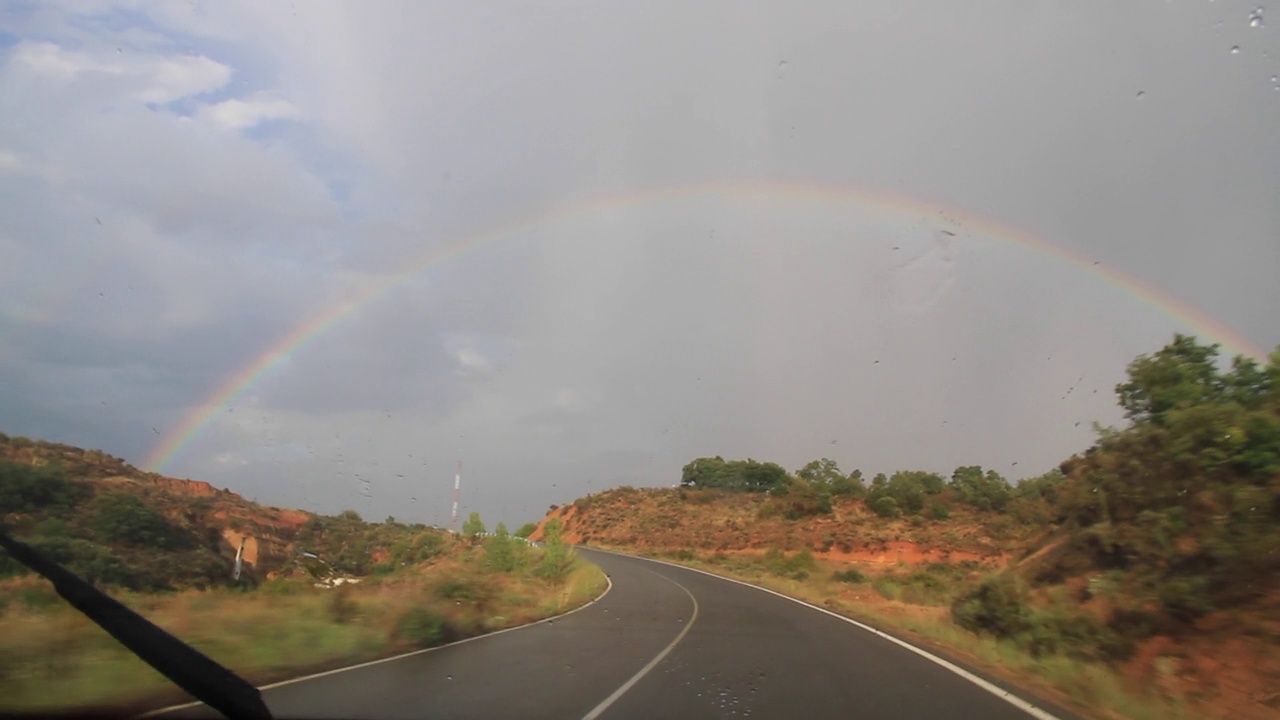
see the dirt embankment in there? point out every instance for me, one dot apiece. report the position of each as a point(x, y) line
point(672, 519)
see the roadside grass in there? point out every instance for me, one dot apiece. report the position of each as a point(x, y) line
point(53, 659)
point(914, 604)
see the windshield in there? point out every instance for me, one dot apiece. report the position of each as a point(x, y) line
point(305, 303)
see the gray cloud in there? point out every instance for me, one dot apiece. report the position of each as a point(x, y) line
point(183, 185)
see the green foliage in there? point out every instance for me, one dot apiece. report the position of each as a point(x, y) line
point(1187, 498)
point(822, 472)
point(908, 489)
point(123, 517)
point(998, 606)
point(421, 627)
point(798, 499)
point(850, 485)
point(984, 491)
point(928, 585)
point(526, 530)
point(852, 576)
point(26, 488)
point(885, 506)
point(736, 475)
point(87, 559)
point(1180, 375)
point(797, 566)
point(939, 511)
point(501, 552)
point(472, 589)
point(557, 557)
point(473, 526)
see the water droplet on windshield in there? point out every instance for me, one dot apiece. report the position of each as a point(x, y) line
point(448, 677)
point(1235, 49)
point(1255, 18)
point(1141, 93)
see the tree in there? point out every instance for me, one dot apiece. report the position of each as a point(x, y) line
point(984, 491)
point(526, 530)
point(500, 551)
point(28, 488)
point(734, 475)
point(1182, 374)
point(851, 485)
point(473, 525)
point(557, 556)
point(820, 472)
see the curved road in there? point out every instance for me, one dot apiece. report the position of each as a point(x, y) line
point(664, 642)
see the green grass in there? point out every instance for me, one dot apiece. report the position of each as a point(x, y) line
point(53, 659)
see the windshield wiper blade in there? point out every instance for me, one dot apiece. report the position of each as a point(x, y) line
point(193, 671)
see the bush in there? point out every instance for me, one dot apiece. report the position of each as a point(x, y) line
point(474, 591)
point(938, 511)
point(796, 567)
point(421, 627)
point(852, 575)
point(341, 608)
point(885, 506)
point(996, 607)
point(28, 488)
point(123, 517)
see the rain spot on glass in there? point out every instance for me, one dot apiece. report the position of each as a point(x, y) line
point(1141, 94)
point(1255, 18)
point(1235, 49)
point(782, 67)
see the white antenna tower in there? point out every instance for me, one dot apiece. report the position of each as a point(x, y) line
point(457, 489)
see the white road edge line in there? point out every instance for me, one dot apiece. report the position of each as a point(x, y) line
point(604, 704)
point(1023, 705)
point(402, 656)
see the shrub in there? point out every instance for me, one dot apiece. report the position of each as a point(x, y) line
point(557, 557)
point(28, 488)
point(421, 627)
point(996, 607)
point(852, 575)
point(341, 608)
point(123, 517)
point(475, 591)
point(885, 506)
point(938, 511)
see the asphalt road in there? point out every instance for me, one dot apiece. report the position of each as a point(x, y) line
point(664, 642)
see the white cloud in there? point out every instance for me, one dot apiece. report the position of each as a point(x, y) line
point(156, 79)
point(242, 113)
point(472, 359)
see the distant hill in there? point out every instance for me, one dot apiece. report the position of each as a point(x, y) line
point(121, 526)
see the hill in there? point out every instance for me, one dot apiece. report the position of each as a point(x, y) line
point(124, 527)
point(1147, 566)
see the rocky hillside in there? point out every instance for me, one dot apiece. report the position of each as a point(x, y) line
point(110, 521)
point(711, 520)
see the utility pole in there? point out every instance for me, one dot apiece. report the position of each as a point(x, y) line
point(457, 489)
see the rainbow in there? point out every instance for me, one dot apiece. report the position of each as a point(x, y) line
point(197, 420)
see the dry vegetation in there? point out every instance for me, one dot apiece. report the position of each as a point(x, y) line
point(51, 658)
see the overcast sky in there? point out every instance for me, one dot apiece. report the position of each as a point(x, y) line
point(182, 184)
